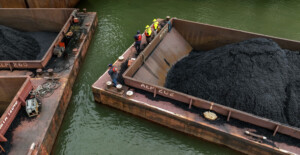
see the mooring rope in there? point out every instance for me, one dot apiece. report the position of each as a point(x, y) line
point(46, 89)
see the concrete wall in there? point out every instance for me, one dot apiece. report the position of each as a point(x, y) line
point(35, 19)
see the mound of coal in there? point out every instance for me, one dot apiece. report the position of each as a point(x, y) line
point(15, 45)
point(254, 76)
point(44, 39)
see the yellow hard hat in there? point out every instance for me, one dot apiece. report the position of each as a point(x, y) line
point(147, 26)
point(154, 20)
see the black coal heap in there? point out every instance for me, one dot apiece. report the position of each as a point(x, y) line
point(254, 76)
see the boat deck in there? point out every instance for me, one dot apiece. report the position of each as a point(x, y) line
point(41, 131)
point(178, 116)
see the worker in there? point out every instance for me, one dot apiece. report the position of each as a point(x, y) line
point(155, 26)
point(169, 23)
point(112, 71)
point(138, 40)
point(148, 33)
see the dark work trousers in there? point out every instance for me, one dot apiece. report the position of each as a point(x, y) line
point(148, 39)
point(137, 46)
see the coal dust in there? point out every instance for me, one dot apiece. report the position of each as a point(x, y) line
point(255, 76)
point(17, 45)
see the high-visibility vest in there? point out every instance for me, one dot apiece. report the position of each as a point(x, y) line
point(138, 37)
point(155, 25)
point(148, 32)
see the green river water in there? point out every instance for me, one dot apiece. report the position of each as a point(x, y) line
point(92, 128)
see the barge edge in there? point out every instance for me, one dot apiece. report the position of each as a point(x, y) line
point(182, 123)
point(56, 121)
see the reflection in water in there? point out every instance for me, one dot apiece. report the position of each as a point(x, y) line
point(90, 128)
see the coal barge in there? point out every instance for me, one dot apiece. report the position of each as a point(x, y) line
point(34, 93)
point(143, 93)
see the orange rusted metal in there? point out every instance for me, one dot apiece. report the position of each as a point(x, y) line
point(43, 129)
point(38, 3)
point(186, 28)
point(20, 87)
point(167, 114)
point(36, 20)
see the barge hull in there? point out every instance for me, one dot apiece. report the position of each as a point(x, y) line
point(40, 132)
point(200, 37)
point(38, 3)
point(164, 112)
point(32, 20)
point(57, 119)
point(181, 123)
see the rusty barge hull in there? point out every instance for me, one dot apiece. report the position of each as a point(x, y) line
point(38, 3)
point(148, 73)
point(37, 135)
point(48, 20)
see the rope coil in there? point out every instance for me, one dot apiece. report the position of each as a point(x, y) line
point(46, 89)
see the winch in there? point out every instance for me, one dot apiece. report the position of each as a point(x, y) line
point(32, 107)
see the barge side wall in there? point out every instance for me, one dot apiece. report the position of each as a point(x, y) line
point(207, 37)
point(52, 131)
point(9, 88)
point(55, 20)
point(180, 123)
point(129, 76)
point(51, 20)
point(38, 3)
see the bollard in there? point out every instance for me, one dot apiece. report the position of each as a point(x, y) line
point(39, 71)
point(129, 93)
point(119, 87)
point(108, 84)
point(50, 71)
point(121, 58)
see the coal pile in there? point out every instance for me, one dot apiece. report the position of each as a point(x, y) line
point(16, 45)
point(254, 76)
point(21, 116)
point(44, 39)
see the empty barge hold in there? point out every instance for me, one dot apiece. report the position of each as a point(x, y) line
point(50, 79)
point(238, 130)
point(13, 92)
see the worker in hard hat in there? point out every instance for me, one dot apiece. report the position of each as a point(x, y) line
point(113, 72)
point(155, 26)
point(148, 33)
point(169, 23)
point(138, 40)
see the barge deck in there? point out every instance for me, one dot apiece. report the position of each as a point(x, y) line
point(147, 101)
point(37, 135)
